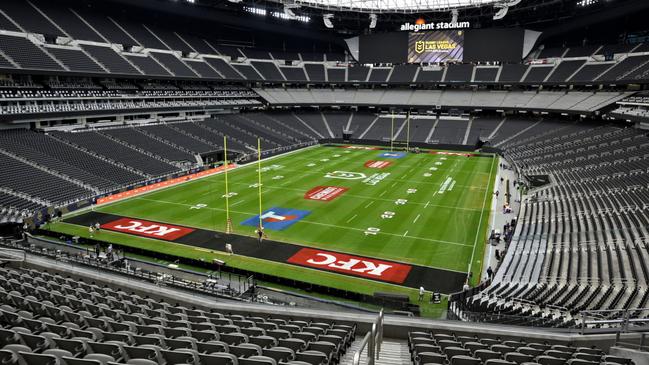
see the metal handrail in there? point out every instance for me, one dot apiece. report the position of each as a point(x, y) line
point(9, 254)
point(372, 341)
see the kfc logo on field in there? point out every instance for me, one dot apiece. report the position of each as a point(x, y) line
point(324, 193)
point(377, 164)
point(351, 265)
point(148, 229)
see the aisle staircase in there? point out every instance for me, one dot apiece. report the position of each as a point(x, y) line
point(393, 352)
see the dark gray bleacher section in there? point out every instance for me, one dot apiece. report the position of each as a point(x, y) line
point(141, 34)
point(274, 137)
point(403, 73)
point(110, 59)
point(449, 131)
point(590, 71)
point(511, 127)
point(179, 139)
point(170, 38)
point(357, 73)
point(75, 60)
point(486, 74)
point(28, 18)
point(336, 74)
point(314, 120)
point(293, 73)
point(95, 323)
point(203, 69)
point(6, 24)
point(615, 49)
point(173, 64)
point(255, 53)
point(551, 52)
point(223, 68)
point(565, 69)
point(482, 127)
point(512, 72)
point(26, 54)
point(22, 144)
point(148, 65)
point(581, 51)
point(5, 63)
point(118, 152)
point(133, 137)
point(268, 70)
point(459, 73)
point(537, 73)
point(316, 72)
point(232, 52)
point(419, 130)
point(107, 28)
point(72, 156)
point(337, 122)
point(382, 128)
point(314, 57)
point(213, 136)
point(248, 72)
point(379, 75)
point(618, 71)
point(430, 75)
point(198, 44)
point(10, 201)
point(286, 123)
point(70, 22)
point(241, 138)
point(24, 178)
point(360, 123)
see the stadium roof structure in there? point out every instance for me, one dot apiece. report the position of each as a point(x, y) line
point(391, 6)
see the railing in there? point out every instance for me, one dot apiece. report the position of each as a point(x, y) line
point(372, 341)
point(618, 321)
point(9, 254)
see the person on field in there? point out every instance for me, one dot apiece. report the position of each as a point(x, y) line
point(421, 293)
point(260, 233)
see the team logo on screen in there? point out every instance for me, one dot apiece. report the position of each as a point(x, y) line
point(148, 229)
point(276, 218)
point(351, 265)
point(420, 46)
point(325, 193)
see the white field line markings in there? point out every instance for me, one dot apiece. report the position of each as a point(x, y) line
point(426, 206)
point(237, 203)
point(416, 218)
point(405, 234)
point(484, 201)
point(383, 193)
point(370, 203)
point(310, 222)
point(393, 185)
point(352, 218)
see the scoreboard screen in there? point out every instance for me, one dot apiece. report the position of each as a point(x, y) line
point(436, 46)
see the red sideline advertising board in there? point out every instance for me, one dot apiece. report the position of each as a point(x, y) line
point(351, 265)
point(139, 227)
point(162, 184)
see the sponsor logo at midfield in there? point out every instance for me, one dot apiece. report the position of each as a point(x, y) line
point(378, 164)
point(345, 175)
point(276, 218)
point(392, 154)
point(324, 193)
point(452, 153)
point(447, 185)
point(376, 178)
point(351, 265)
point(144, 228)
point(359, 148)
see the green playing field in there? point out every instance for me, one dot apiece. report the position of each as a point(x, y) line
point(428, 209)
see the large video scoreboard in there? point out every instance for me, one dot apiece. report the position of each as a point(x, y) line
point(441, 46)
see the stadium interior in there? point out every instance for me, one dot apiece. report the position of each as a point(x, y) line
point(319, 182)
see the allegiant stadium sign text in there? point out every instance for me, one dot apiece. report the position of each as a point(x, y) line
point(435, 26)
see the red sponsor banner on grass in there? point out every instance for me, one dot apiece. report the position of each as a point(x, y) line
point(351, 265)
point(325, 193)
point(452, 153)
point(377, 164)
point(161, 184)
point(360, 147)
point(139, 227)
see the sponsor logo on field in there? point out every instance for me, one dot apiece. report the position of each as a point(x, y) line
point(345, 175)
point(447, 185)
point(392, 154)
point(377, 164)
point(276, 218)
point(351, 265)
point(360, 147)
point(452, 153)
point(324, 193)
point(376, 178)
point(138, 227)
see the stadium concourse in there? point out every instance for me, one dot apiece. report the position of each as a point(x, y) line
point(324, 182)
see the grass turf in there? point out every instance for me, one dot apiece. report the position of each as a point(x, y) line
point(434, 227)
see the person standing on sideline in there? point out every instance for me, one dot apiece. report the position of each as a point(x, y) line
point(260, 233)
point(490, 273)
point(421, 293)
